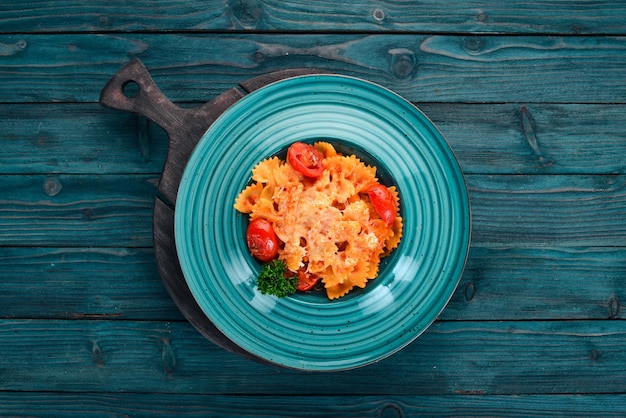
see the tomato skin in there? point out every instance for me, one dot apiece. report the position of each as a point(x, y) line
point(305, 159)
point(306, 281)
point(384, 203)
point(262, 240)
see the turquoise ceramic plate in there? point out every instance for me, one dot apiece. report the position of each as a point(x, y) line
point(307, 331)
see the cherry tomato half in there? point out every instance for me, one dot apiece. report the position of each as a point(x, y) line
point(262, 240)
point(383, 202)
point(305, 159)
point(306, 280)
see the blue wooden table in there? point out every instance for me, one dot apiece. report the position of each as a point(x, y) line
point(531, 96)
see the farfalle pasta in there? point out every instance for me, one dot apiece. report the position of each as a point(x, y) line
point(328, 225)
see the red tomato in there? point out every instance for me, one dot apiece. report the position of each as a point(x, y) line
point(306, 281)
point(262, 240)
point(384, 203)
point(305, 159)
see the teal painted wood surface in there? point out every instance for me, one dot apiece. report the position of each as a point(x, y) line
point(123, 284)
point(83, 139)
point(531, 97)
point(497, 357)
point(487, 138)
point(538, 16)
point(534, 210)
point(422, 68)
point(236, 406)
point(90, 283)
point(103, 211)
point(542, 283)
point(507, 210)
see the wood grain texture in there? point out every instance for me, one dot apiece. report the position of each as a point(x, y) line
point(236, 406)
point(193, 67)
point(507, 210)
point(171, 357)
point(531, 97)
point(431, 16)
point(548, 211)
point(542, 284)
point(82, 282)
point(76, 211)
point(498, 284)
point(557, 139)
point(487, 139)
point(85, 138)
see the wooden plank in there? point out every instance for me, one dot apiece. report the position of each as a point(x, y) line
point(193, 67)
point(534, 138)
point(431, 16)
point(545, 211)
point(83, 138)
point(537, 284)
point(114, 283)
point(541, 283)
point(507, 210)
point(544, 357)
point(48, 404)
point(487, 138)
point(77, 211)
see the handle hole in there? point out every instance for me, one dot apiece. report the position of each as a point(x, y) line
point(130, 89)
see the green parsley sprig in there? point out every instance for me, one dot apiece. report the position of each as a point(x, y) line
point(272, 280)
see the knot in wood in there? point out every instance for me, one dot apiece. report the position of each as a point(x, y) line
point(390, 410)
point(378, 15)
point(98, 357)
point(105, 21)
point(52, 187)
point(613, 307)
point(473, 44)
point(247, 12)
point(469, 291)
point(168, 357)
point(402, 62)
point(87, 214)
point(258, 57)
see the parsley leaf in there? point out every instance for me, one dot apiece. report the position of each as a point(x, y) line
point(272, 280)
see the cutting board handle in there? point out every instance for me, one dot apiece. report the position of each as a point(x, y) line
point(132, 89)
